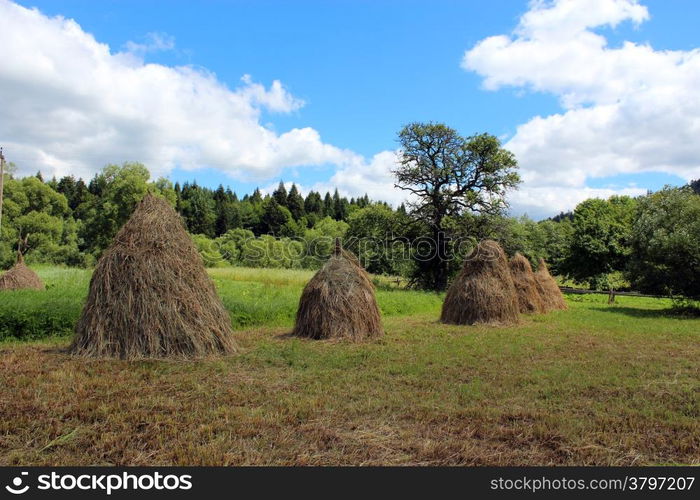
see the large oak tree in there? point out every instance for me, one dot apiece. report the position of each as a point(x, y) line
point(449, 175)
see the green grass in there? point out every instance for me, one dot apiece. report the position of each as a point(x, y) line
point(254, 297)
point(597, 384)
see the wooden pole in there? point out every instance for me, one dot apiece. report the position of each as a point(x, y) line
point(2, 185)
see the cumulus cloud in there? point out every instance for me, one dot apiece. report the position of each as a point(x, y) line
point(154, 42)
point(358, 177)
point(372, 177)
point(627, 109)
point(546, 201)
point(70, 105)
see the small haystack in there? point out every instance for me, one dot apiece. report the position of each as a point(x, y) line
point(339, 302)
point(529, 299)
point(548, 288)
point(150, 296)
point(483, 291)
point(20, 277)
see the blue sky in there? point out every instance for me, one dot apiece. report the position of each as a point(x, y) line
point(365, 68)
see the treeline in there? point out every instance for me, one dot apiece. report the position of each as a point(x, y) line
point(650, 243)
point(71, 221)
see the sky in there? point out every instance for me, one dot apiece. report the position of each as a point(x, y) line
point(594, 97)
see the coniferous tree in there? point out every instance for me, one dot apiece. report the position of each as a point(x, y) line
point(280, 195)
point(295, 203)
point(328, 206)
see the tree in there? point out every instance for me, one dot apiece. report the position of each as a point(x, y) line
point(376, 234)
point(295, 203)
point(40, 213)
point(340, 207)
point(328, 206)
point(274, 217)
point(449, 175)
point(198, 209)
point(665, 243)
point(115, 191)
point(600, 240)
point(280, 195)
point(695, 186)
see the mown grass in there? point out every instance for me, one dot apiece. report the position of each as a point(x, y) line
point(597, 384)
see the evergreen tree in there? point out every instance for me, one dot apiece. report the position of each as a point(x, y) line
point(256, 197)
point(328, 206)
point(280, 195)
point(313, 203)
point(340, 207)
point(295, 203)
point(274, 217)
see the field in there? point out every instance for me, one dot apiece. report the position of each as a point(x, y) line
point(598, 384)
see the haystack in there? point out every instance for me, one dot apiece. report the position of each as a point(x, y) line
point(529, 299)
point(548, 288)
point(150, 296)
point(483, 291)
point(20, 277)
point(339, 302)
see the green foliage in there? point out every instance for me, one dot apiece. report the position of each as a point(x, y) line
point(275, 217)
point(450, 176)
point(665, 243)
point(318, 241)
point(379, 238)
point(655, 244)
point(209, 249)
point(116, 191)
point(252, 297)
point(34, 210)
point(600, 239)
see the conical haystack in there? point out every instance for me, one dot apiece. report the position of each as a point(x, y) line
point(20, 277)
point(548, 288)
point(339, 302)
point(529, 299)
point(150, 296)
point(483, 291)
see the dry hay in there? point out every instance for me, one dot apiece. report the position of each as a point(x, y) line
point(529, 299)
point(339, 302)
point(20, 277)
point(548, 288)
point(483, 291)
point(150, 296)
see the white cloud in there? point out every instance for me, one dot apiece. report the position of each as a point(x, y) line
point(373, 178)
point(153, 42)
point(69, 106)
point(546, 201)
point(625, 110)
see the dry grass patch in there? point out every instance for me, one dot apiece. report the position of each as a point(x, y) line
point(592, 385)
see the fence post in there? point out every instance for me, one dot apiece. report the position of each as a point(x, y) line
point(2, 185)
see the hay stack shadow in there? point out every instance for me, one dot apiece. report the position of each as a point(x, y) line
point(339, 302)
point(529, 298)
point(548, 288)
point(19, 276)
point(483, 291)
point(150, 296)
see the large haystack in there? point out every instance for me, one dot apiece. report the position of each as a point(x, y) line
point(529, 299)
point(548, 288)
point(339, 302)
point(20, 277)
point(150, 296)
point(483, 291)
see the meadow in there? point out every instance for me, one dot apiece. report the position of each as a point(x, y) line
point(597, 384)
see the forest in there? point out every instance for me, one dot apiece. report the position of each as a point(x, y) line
point(649, 243)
